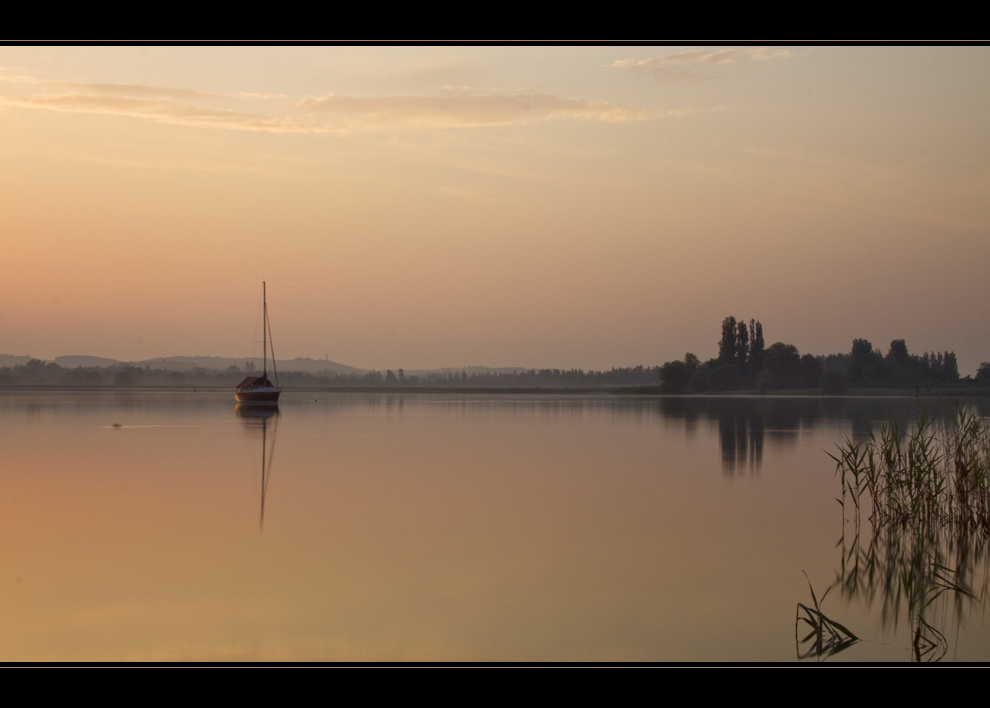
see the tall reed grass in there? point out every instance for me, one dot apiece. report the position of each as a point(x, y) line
point(927, 477)
point(826, 637)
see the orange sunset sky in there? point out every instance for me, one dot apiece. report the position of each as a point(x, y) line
point(439, 206)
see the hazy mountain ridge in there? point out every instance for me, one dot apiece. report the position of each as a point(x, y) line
point(221, 363)
point(188, 363)
point(71, 362)
point(14, 360)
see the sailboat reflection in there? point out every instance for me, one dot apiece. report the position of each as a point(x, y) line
point(255, 417)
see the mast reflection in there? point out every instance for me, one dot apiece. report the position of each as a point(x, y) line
point(257, 417)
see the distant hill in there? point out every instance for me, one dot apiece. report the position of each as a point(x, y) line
point(188, 363)
point(11, 360)
point(314, 366)
point(71, 362)
point(219, 363)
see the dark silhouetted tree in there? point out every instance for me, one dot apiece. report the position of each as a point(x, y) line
point(692, 363)
point(950, 367)
point(123, 379)
point(862, 360)
point(726, 377)
point(742, 345)
point(784, 364)
point(898, 352)
point(811, 371)
point(674, 377)
point(833, 383)
point(764, 381)
point(755, 346)
point(727, 346)
point(701, 380)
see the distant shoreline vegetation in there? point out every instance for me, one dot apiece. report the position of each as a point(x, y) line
point(744, 363)
point(37, 373)
point(744, 366)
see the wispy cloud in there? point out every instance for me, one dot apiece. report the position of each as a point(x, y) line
point(698, 63)
point(140, 91)
point(161, 111)
point(332, 113)
point(464, 108)
point(132, 90)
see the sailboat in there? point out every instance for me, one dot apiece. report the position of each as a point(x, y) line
point(259, 389)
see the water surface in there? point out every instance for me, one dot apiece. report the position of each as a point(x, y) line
point(168, 525)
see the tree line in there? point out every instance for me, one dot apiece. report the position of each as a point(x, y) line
point(744, 362)
point(40, 373)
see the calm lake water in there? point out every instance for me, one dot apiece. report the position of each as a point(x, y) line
point(451, 527)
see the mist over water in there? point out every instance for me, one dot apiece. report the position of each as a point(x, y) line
point(172, 525)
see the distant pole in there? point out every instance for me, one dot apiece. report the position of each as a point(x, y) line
point(264, 333)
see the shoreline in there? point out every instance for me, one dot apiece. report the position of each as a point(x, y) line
point(638, 391)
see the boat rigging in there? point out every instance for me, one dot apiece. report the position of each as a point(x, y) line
point(259, 389)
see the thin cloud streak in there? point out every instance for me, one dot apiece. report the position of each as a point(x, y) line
point(163, 111)
point(698, 63)
point(132, 90)
point(463, 108)
point(330, 113)
point(140, 91)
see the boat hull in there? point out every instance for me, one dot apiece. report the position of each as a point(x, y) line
point(258, 397)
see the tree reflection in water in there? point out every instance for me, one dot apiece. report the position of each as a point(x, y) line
point(740, 432)
point(746, 423)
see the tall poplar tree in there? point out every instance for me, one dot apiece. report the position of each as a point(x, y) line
point(742, 343)
point(727, 347)
point(756, 346)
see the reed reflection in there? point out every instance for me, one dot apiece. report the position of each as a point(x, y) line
point(925, 548)
point(825, 637)
point(928, 579)
point(255, 417)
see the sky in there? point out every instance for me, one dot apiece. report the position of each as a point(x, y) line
point(422, 207)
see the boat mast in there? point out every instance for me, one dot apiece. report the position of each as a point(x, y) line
point(264, 333)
